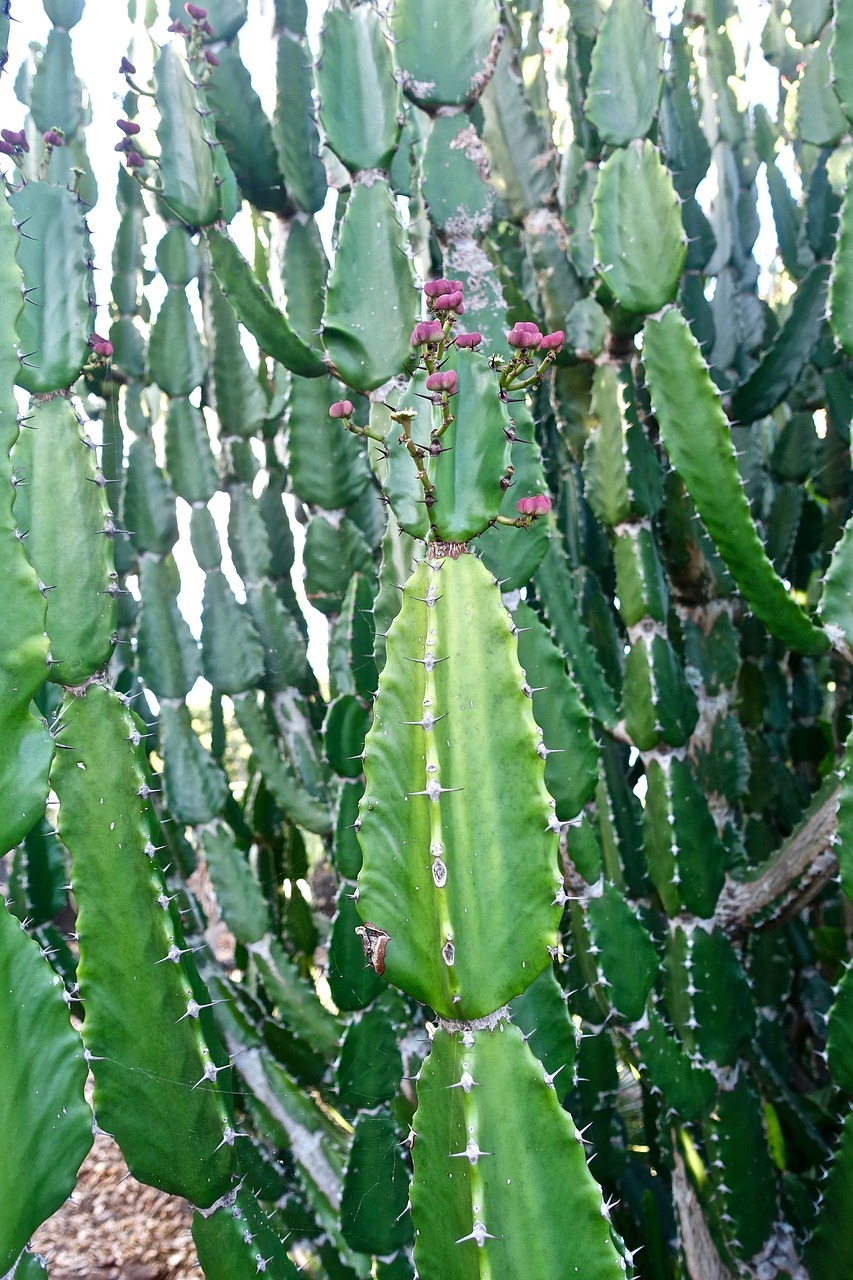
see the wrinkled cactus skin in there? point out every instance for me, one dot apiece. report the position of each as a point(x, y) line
point(514, 938)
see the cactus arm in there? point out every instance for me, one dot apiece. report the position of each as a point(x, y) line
point(830, 1251)
point(498, 1189)
point(841, 283)
point(46, 1122)
point(467, 474)
point(640, 257)
point(278, 773)
point(571, 759)
point(694, 431)
point(150, 1059)
point(787, 356)
point(25, 745)
point(359, 100)
point(245, 132)
point(236, 1242)
point(69, 538)
point(557, 592)
point(187, 169)
point(294, 127)
point(624, 83)
point(256, 311)
point(427, 76)
point(370, 303)
point(455, 803)
point(53, 254)
point(375, 1191)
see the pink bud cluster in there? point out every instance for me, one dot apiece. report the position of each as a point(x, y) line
point(12, 143)
point(469, 340)
point(534, 506)
point(427, 331)
point(445, 295)
point(341, 409)
point(444, 380)
point(53, 139)
point(129, 129)
point(526, 336)
point(101, 346)
point(199, 17)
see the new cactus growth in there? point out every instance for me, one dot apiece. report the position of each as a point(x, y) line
point(532, 906)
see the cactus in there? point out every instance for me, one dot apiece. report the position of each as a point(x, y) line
point(536, 906)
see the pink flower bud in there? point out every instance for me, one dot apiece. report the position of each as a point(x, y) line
point(178, 28)
point(341, 409)
point(9, 135)
point(22, 141)
point(103, 348)
point(469, 340)
point(527, 324)
point(52, 139)
point(130, 127)
point(127, 68)
point(448, 301)
point(536, 505)
point(207, 30)
point(455, 286)
point(195, 11)
point(134, 160)
point(444, 381)
point(434, 288)
point(426, 331)
point(6, 148)
point(524, 338)
point(211, 58)
point(552, 341)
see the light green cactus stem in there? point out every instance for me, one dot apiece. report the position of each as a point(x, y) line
point(489, 1199)
point(455, 807)
point(710, 473)
point(25, 746)
point(46, 1120)
point(69, 533)
point(130, 941)
point(54, 256)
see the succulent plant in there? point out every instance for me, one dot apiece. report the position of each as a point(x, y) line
point(533, 910)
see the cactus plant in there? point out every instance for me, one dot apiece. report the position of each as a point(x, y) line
point(537, 900)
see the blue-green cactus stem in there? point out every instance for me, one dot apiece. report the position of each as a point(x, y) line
point(359, 100)
point(370, 303)
point(256, 311)
point(624, 83)
point(294, 126)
